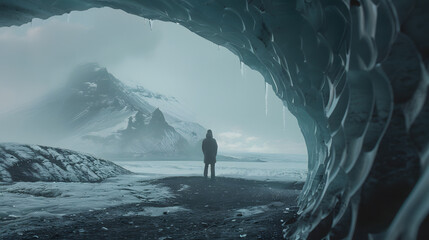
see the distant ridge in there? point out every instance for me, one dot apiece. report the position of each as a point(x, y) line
point(97, 113)
point(32, 163)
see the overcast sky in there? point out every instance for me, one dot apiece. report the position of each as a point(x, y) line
point(37, 57)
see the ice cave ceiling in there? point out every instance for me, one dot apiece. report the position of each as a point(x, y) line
point(353, 72)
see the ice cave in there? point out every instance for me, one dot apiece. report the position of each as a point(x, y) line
point(353, 72)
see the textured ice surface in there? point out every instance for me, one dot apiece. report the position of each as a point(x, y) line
point(156, 211)
point(246, 212)
point(354, 73)
point(28, 201)
point(31, 163)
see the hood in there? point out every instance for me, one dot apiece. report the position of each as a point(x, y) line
point(209, 134)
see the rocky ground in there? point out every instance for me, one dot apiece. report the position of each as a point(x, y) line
point(227, 208)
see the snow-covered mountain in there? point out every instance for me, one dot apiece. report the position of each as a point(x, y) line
point(31, 163)
point(156, 137)
point(97, 113)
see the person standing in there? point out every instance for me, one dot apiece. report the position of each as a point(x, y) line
point(210, 151)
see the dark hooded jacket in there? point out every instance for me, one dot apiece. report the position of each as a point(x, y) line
point(209, 148)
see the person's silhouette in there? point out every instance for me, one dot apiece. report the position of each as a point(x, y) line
point(210, 151)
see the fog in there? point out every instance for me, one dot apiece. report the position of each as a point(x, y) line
point(37, 58)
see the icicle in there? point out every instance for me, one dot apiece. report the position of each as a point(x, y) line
point(242, 68)
point(284, 117)
point(266, 99)
point(189, 16)
point(68, 17)
point(218, 47)
point(150, 24)
point(250, 45)
point(247, 5)
point(272, 37)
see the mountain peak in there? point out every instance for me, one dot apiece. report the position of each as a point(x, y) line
point(92, 73)
point(89, 67)
point(158, 117)
point(157, 123)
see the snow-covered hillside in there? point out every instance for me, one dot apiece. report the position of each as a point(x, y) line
point(39, 163)
point(97, 113)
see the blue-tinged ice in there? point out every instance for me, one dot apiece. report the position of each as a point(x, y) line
point(284, 117)
point(151, 24)
point(266, 98)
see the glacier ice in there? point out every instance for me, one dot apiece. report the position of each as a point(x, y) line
point(266, 99)
point(32, 163)
point(354, 73)
point(151, 24)
point(284, 117)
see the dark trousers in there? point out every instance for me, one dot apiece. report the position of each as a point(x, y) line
point(212, 168)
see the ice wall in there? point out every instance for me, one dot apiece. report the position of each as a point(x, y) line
point(353, 72)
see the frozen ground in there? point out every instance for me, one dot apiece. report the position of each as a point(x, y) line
point(270, 170)
point(26, 202)
point(28, 207)
point(194, 208)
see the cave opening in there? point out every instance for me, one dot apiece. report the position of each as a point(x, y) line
point(243, 154)
point(208, 84)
